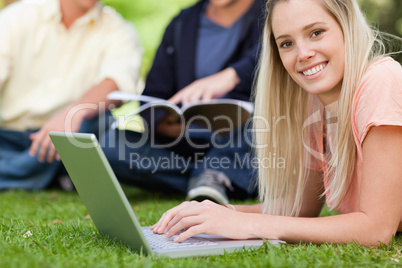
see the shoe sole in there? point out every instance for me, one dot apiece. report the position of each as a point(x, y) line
point(202, 193)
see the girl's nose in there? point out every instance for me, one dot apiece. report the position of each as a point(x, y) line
point(305, 52)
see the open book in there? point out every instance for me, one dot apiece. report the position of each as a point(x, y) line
point(215, 114)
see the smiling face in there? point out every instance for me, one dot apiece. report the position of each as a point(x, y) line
point(311, 46)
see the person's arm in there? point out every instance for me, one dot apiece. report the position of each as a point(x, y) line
point(169, 127)
point(161, 83)
point(161, 79)
point(121, 55)
point(208, 88)
point(10, 33)
point(313, 200)
point(246, 69)
point(311, 206)
point(237, 77)
point(5, 60)
point(257, 208)
point(380, 200)
point(119, 70)
point(376, 221)
point(71, 118)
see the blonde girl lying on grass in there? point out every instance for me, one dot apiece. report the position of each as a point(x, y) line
point(323, 71)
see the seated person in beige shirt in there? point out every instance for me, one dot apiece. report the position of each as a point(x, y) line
point(58, 61)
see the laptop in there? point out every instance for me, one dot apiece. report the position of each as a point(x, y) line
point(112, 213)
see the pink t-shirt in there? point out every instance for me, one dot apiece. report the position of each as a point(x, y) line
point(377, 102)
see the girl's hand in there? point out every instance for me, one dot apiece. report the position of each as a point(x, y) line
point(160, 226)
point(193, 218)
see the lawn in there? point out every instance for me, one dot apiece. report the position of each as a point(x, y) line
point(52, 229)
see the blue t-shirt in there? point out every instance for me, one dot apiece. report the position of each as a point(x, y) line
point(215, 45)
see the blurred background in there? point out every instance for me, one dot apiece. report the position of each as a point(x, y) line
point(151, 17)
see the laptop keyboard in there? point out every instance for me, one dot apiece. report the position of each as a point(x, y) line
point(160, 241)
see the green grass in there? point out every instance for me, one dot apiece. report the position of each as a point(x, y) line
point(64, 236)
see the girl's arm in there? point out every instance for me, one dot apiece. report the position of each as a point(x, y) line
point(257, 208)
point(380, 200)
point(378, 219)
point(312, 199)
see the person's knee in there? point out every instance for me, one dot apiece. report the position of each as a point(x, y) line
point(123, 148)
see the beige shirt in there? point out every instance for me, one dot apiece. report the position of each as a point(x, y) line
point(44, 67)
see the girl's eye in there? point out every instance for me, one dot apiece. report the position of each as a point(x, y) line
point(286, 44)
point(317, 33)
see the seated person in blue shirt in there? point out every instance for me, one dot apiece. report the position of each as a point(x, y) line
point(208, 51)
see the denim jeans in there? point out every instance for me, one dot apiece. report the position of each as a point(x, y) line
point(19, 170)
point(152, 163)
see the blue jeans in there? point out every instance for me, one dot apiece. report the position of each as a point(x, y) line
point(152, 163)
point(19, 170)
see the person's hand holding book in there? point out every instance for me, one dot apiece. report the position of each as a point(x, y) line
point(168, 126)
point(208, 88)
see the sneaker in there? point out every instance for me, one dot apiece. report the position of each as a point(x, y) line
point(209, 185)
point(65, 183)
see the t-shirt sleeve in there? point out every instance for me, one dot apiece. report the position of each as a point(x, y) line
point(122, 54)
point(11, 29)
point(378, 101)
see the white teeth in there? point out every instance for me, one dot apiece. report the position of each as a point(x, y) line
point(314, 70)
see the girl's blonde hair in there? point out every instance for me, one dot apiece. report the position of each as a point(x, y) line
point(278, 96)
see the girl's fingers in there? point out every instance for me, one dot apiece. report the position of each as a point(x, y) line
point(190, 232)
point(192, 225)
point(190, 219)
point(157, 228)
point(161, 225)
point(184, 218)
